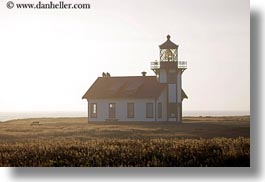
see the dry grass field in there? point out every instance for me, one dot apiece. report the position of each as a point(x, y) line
point(79, 128)
point(198, 141)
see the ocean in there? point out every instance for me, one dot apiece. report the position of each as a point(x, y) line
point(5, 116)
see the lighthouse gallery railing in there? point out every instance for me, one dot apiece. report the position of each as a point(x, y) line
point(181, 65)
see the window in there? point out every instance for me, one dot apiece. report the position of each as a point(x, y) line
point(159, 107)
point(130, 110)
point(172, 110)
point(149, 110)
point(112, 110)
point(169, 55)
point(93, 110)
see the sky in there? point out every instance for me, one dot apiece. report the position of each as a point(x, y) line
point(49, 58)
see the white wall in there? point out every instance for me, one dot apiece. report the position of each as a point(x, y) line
point(139, 108)
point(163, 76)
point(121, 109)
point(163, 99)
point(179, 99)
point(172, 95)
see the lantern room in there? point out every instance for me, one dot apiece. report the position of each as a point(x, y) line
point(168, 51)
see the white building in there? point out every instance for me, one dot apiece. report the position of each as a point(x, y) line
point(141, 98)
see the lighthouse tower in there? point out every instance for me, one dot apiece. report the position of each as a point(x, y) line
point(169, 71)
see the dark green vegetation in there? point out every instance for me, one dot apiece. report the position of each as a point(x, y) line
point(202, 141)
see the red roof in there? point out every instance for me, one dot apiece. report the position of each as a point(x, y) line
point(125, 87)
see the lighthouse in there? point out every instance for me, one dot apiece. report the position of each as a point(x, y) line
point(169, 71)
point(142, 98)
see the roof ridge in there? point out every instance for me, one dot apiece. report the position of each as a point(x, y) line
point(126, 77)
point(125, 87)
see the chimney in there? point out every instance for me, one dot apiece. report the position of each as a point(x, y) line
point(143, 73)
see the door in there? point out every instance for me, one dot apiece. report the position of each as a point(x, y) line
point(112, 110)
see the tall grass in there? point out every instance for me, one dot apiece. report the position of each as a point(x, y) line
point(128, 152)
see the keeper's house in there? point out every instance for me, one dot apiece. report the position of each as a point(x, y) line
point(141, 98)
